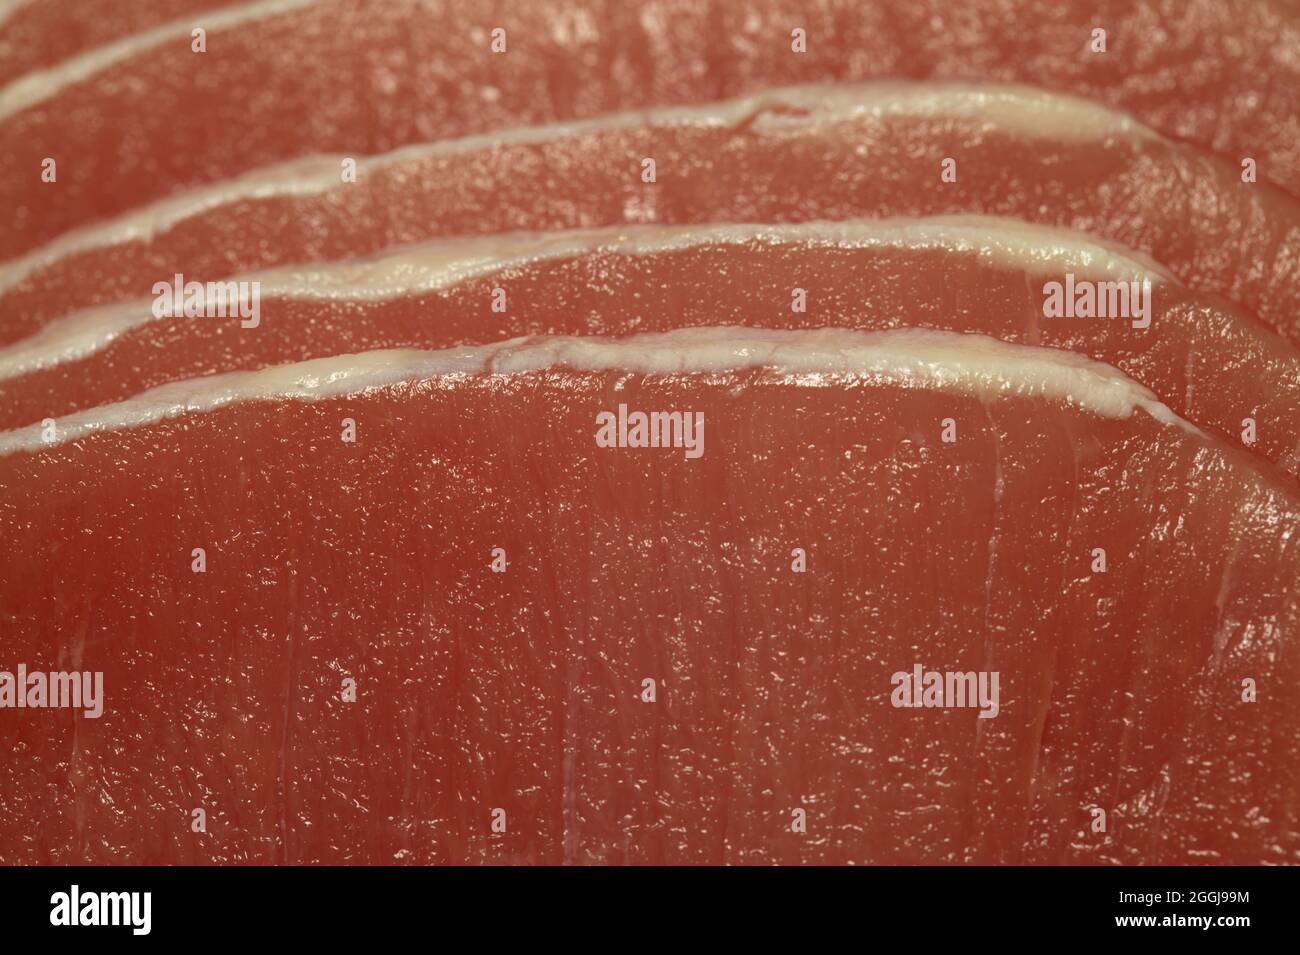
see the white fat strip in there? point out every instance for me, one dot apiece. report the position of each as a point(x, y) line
point(796, 110)
point(9, 7)
point(35, 87)
point(973, 364)
point(416, 269)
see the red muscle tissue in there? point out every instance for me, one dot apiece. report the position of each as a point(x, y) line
point(649, 432)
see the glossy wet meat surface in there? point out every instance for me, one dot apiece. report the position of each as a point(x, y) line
point(363, 76)
point(523, 690)
point(352, 615)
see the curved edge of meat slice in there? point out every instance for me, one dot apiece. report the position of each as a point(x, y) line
point(37, 34)
point(783, 155)
point(235, 108)
point(1213, 364)
point(1123, 574)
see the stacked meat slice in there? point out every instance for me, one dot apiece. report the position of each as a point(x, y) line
point(574, 432)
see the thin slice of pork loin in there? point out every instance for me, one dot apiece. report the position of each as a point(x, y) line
point(524, 691)
point(365, 76)
point(1205, 359)
point(36, 34)
point(787, 155)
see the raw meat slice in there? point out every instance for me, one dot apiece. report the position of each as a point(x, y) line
point(363, 77)
point(39, 33)
point(1201, 356)
point(523, 691)
point(785, 155)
